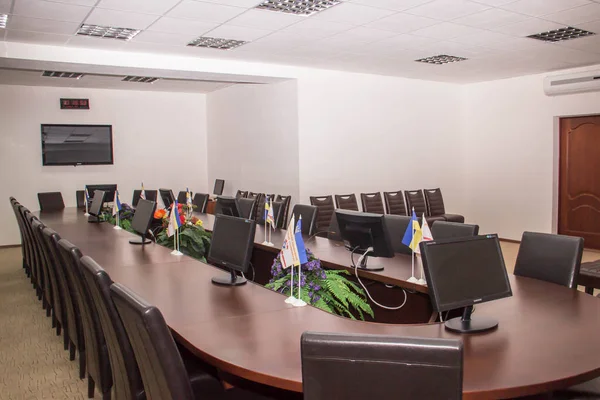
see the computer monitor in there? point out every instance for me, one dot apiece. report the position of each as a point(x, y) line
point(462, 272)
point(142, 218)
point(231, 247)
point(167, 197)
point(227, 205)
point(219, 185)
point(365, 233)
point(96, 207)
point(109, 190)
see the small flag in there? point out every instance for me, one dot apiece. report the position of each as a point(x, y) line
point(174, 221)
point(116, 203)
point(289, 251)
point(267, 206)
point(188, 198)
point(143, 193)
point(270, 218)
point(413, 234)
point(426, 234)
point(87, 198)
point(300, 242)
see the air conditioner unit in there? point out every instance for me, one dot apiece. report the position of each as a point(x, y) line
point(580, 82)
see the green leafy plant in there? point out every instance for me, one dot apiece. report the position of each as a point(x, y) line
point(329, 290)
point(125, 217)
point(194, 241)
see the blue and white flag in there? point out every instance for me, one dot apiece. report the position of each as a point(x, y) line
point(188, 198)
point(116, 203)
point(300, 242)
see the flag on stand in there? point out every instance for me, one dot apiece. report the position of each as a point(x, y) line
point(289, 250)
point(174, 221)
point(116, 203)
point(413, 235)
point(300, 242)
point(143, 192)
point(87, 197)
point(426, 234)
point(270, 219)
point(188, 198)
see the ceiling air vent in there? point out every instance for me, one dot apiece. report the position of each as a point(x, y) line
point(57, 74)
point(216, 43)
point(559, 35)
point(440, 59)
point(298, 7)
point(107, 32)
point(140, 79)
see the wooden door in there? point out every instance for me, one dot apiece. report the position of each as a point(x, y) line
point(579, 179)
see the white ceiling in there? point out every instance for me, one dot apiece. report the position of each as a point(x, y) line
point(372, 36)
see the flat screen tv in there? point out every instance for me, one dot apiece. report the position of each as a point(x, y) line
point(77, 144)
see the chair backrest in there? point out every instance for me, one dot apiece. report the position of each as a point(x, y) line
point(259, 213)
point(309, 217)
point(415, 199)
point(97, 361)
point(325, 209)
point(241, 194)
point(551, 258)
point(372, 203)
point(167, 197)
point(247, 207)
point(163, 373)
point(127, 380)
point(435, 201)
point(346, 201)
point(286, 209)
point(394, 203)
point(333, 230)
point(80, 198)
point(200, 200)
point(396, 226)
point(44, 261)
point(150, 195)
point(181, 197)
point(51, 201)
point(337, 366)
point(446, 230)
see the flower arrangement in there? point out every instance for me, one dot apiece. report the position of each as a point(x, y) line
point(125, 216)
point(328, 290)
point(194, 240)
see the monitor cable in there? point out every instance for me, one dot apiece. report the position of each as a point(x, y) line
point(355, 265)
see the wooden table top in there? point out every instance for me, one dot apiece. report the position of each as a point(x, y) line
point(547, 337)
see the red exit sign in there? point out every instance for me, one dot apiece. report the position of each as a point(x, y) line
point(74, 104)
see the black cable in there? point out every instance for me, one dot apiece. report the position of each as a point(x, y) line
point(317, 233)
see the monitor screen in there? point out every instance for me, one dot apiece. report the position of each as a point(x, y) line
point(219, 184)
point(167, 197)
point(97, 202)
point(109, 190)
point(76, 144)
point(227, 206)
point(360, 231)
point(232, 242)
point(142, 218)
point(464, 271)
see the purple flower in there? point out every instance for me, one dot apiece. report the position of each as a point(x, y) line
point(287, 283)
point(316, 298)
point(317, 288)
point(310, 294)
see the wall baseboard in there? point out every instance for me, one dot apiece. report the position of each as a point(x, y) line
point(9, 246)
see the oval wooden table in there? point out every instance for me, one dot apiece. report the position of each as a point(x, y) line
point(548, 337)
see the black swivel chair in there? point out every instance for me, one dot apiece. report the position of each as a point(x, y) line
point(167, 197)
point(394, 203)
point(247, 207)
point(435, 206)
point(346, 201)
point(372, 203)
point(241, 194)
point(309, 218)
point(80, 198)
point(200, 200)
point(325, 210)
point(415, 200)
point(551, 258)
point(150, 195)
point(286, 209)
point(396, 226)
point(182, 198)
point(352, 366)
point(51, 201)
point(446, 230)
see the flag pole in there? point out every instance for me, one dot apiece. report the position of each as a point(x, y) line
point(87, 213)
point(422, 280)
point(299, 302)
point(412, 278)
point(117, 225)
point(291, 299)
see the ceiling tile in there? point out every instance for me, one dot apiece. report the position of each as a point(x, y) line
point(276, 42)
point(541, 7)
point(5, 6)
point(48, 10)
point(362, 34)
point(491, 18)
point(350, 13)
point(89, 3)
point(517, 44)
point(163, 38)
point(402, 23)
point(528, 27)
point(236, 3)
point(237, 33)
point(447, 30)
point(494, 3)
point(264, 19)
point(36, 37)
point(576, 16)
point(204, 11)
point(483, 38)
point(446, 10)
point(142, 6)
point(396, 5)
point(316, 28)
point(407, 41)
point(42, 25)
point(590, 44)
point(182, 26)
point(121, 19)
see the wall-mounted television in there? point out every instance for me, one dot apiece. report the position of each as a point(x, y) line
point(77, 144)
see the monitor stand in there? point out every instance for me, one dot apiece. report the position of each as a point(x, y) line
point(141, 241)
point(232, 280)
point(363, 265)
point(93, 219)
point(465, 324)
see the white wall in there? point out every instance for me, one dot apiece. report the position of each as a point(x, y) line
point(511, 152)
point(253, 138)
point(158, 138)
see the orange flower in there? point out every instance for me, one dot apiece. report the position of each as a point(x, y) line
point(160, 214)
point(194, 220)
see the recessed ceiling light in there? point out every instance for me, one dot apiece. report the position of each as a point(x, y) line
point(216, 43)
point(298, 7)
point(441, 59)
point(139, 79)
point(57, 74)
point(3, 20)
point(109, 32)
point(558, 35)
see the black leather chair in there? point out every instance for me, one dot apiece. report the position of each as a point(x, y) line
point(396, 226)
point(325, 209)
point(182, 198)
point(446, 230)
point(80, 198)
point(241, 194)
point(150, 195)
point(435, 206)
point(51, 201)
point(200, 200)
point(394, 203)
point(551, 258)
point(346, 201)
point(277, 213)
point(352, 366)
point(247, 207)
point(260, 206)
point(309, 218)
point(97, 360)
point(167, 197)
point(38, 275)
point(48, 294)
point(372, 203)
point(415, 199)
point(286, 209)
point(24, 250)
point(333, 230)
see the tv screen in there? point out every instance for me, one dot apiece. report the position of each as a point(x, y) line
point(76, 144)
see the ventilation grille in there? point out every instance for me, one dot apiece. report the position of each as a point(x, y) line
point(559, 35)
point(139, 79)
point(441, 59)
point(107, 32)
point(298, 7)
point(216, 43)
point(57, 74)
point(3, 20)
